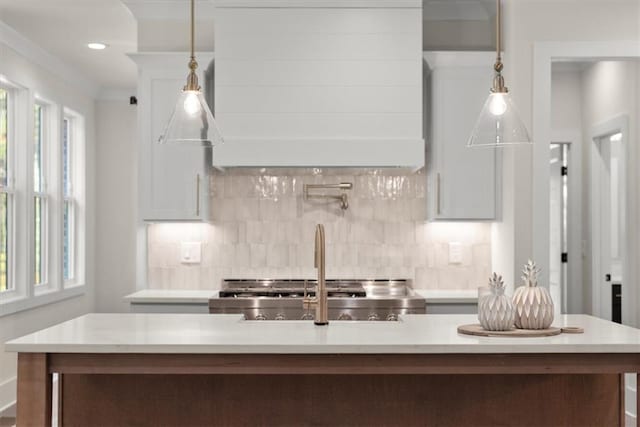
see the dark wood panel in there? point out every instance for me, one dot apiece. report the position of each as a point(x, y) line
point(347, 364)
point(34, 390)
point(341, 400)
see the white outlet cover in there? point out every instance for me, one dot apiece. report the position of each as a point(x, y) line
point(190, 252)
point(455, 253)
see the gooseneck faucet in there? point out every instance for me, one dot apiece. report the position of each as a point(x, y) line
point(320, 301)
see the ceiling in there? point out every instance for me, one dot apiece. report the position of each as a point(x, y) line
point(64, 27)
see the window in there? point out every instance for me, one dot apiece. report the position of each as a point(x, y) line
point(42, 200)
point(6, 193)
point(68, 208)
point(39, 197)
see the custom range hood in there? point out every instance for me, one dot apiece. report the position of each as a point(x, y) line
point(305, 83)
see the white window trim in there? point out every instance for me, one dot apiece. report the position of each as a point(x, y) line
point(9, 189)
point(77, 198)
point(24, 295)
point(49, 147)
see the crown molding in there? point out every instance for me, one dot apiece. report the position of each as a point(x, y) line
point(169, 60)
point(447, 59)
point(170, 10)
point(36, 54)
point(459, 10)
point(368, 4)
point(158, 10)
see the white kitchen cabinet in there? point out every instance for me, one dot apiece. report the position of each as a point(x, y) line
point(463, 183)
point(173, 179)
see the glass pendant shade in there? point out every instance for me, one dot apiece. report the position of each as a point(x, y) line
point(499, 124)
point(192, 122)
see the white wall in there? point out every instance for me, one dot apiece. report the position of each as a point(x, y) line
point(43, 81)
point(117, 205)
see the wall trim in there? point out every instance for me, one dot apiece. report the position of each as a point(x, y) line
point(158, 10)
point(543, 56)
point(41, 57)
point(8, 397)
point(368, 4)
point(447, 59)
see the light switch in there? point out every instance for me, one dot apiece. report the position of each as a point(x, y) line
point(190, 252)
point(455, 253)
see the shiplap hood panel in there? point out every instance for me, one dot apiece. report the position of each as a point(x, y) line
point(304, 85)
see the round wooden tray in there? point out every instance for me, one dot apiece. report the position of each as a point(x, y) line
point(478, 330)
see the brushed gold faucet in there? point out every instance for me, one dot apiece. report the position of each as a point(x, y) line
point(320, 301)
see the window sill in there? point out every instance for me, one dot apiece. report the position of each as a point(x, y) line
point(13, 306)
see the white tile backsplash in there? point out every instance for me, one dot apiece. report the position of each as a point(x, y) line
point(263, 228)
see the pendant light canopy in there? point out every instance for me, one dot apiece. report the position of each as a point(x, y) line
point(191, 121)
point(499, 123)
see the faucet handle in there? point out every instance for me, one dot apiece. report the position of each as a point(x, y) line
point(308, 302)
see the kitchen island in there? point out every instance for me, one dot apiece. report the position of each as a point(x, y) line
point(191, 369)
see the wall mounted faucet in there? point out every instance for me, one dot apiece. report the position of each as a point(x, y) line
point(341, 198)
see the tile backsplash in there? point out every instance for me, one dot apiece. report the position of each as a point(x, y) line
point(262, 228)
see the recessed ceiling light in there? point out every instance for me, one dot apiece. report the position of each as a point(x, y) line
point(96, 46)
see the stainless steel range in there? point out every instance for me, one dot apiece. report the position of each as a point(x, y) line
point(347, 299)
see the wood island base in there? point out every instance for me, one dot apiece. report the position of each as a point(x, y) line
point(325, 390)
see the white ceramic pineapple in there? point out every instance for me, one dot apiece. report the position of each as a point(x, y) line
point(533, 304)
point(495, 310)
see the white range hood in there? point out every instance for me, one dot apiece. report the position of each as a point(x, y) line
point(302, 83)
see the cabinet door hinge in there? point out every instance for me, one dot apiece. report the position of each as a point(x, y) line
point(564, 171)
point(565, 257)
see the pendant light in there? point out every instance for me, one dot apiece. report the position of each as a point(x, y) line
point(192, 121)
point(499, 123)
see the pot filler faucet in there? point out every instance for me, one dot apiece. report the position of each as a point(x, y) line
point(320, 300)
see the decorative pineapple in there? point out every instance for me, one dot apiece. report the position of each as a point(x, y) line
point(533, 304)
point(495, 311)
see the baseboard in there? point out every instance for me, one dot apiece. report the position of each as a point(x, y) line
point(630, 420)
point(8, 397)
point(9, 411)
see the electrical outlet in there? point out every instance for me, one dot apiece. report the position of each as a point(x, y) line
point(190, 252)
point(455, 253)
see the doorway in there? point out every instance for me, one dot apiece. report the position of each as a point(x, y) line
point(559, 223)
point(608, 224)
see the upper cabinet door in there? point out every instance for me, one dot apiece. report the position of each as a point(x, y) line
point(463, 182)
point(331, 86)
point(173, 179)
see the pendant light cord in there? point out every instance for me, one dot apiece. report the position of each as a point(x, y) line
point(498, 80)
point(193, 31)
point(192, 79)
point(498, 66)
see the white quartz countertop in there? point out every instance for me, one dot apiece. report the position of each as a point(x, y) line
point(208, 333)
point(171, 296)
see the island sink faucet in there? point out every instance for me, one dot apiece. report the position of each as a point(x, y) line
point(320, 301)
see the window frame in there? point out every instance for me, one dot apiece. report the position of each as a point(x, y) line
point(10, 190)
point(48, 147)
point(25, 294)
point(75, 130)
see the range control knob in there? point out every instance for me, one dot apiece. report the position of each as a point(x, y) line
point(280, 316)
point(345, 316)
point(373, 316)
point(261, 316)
point(392, 317)
point(307, 316)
